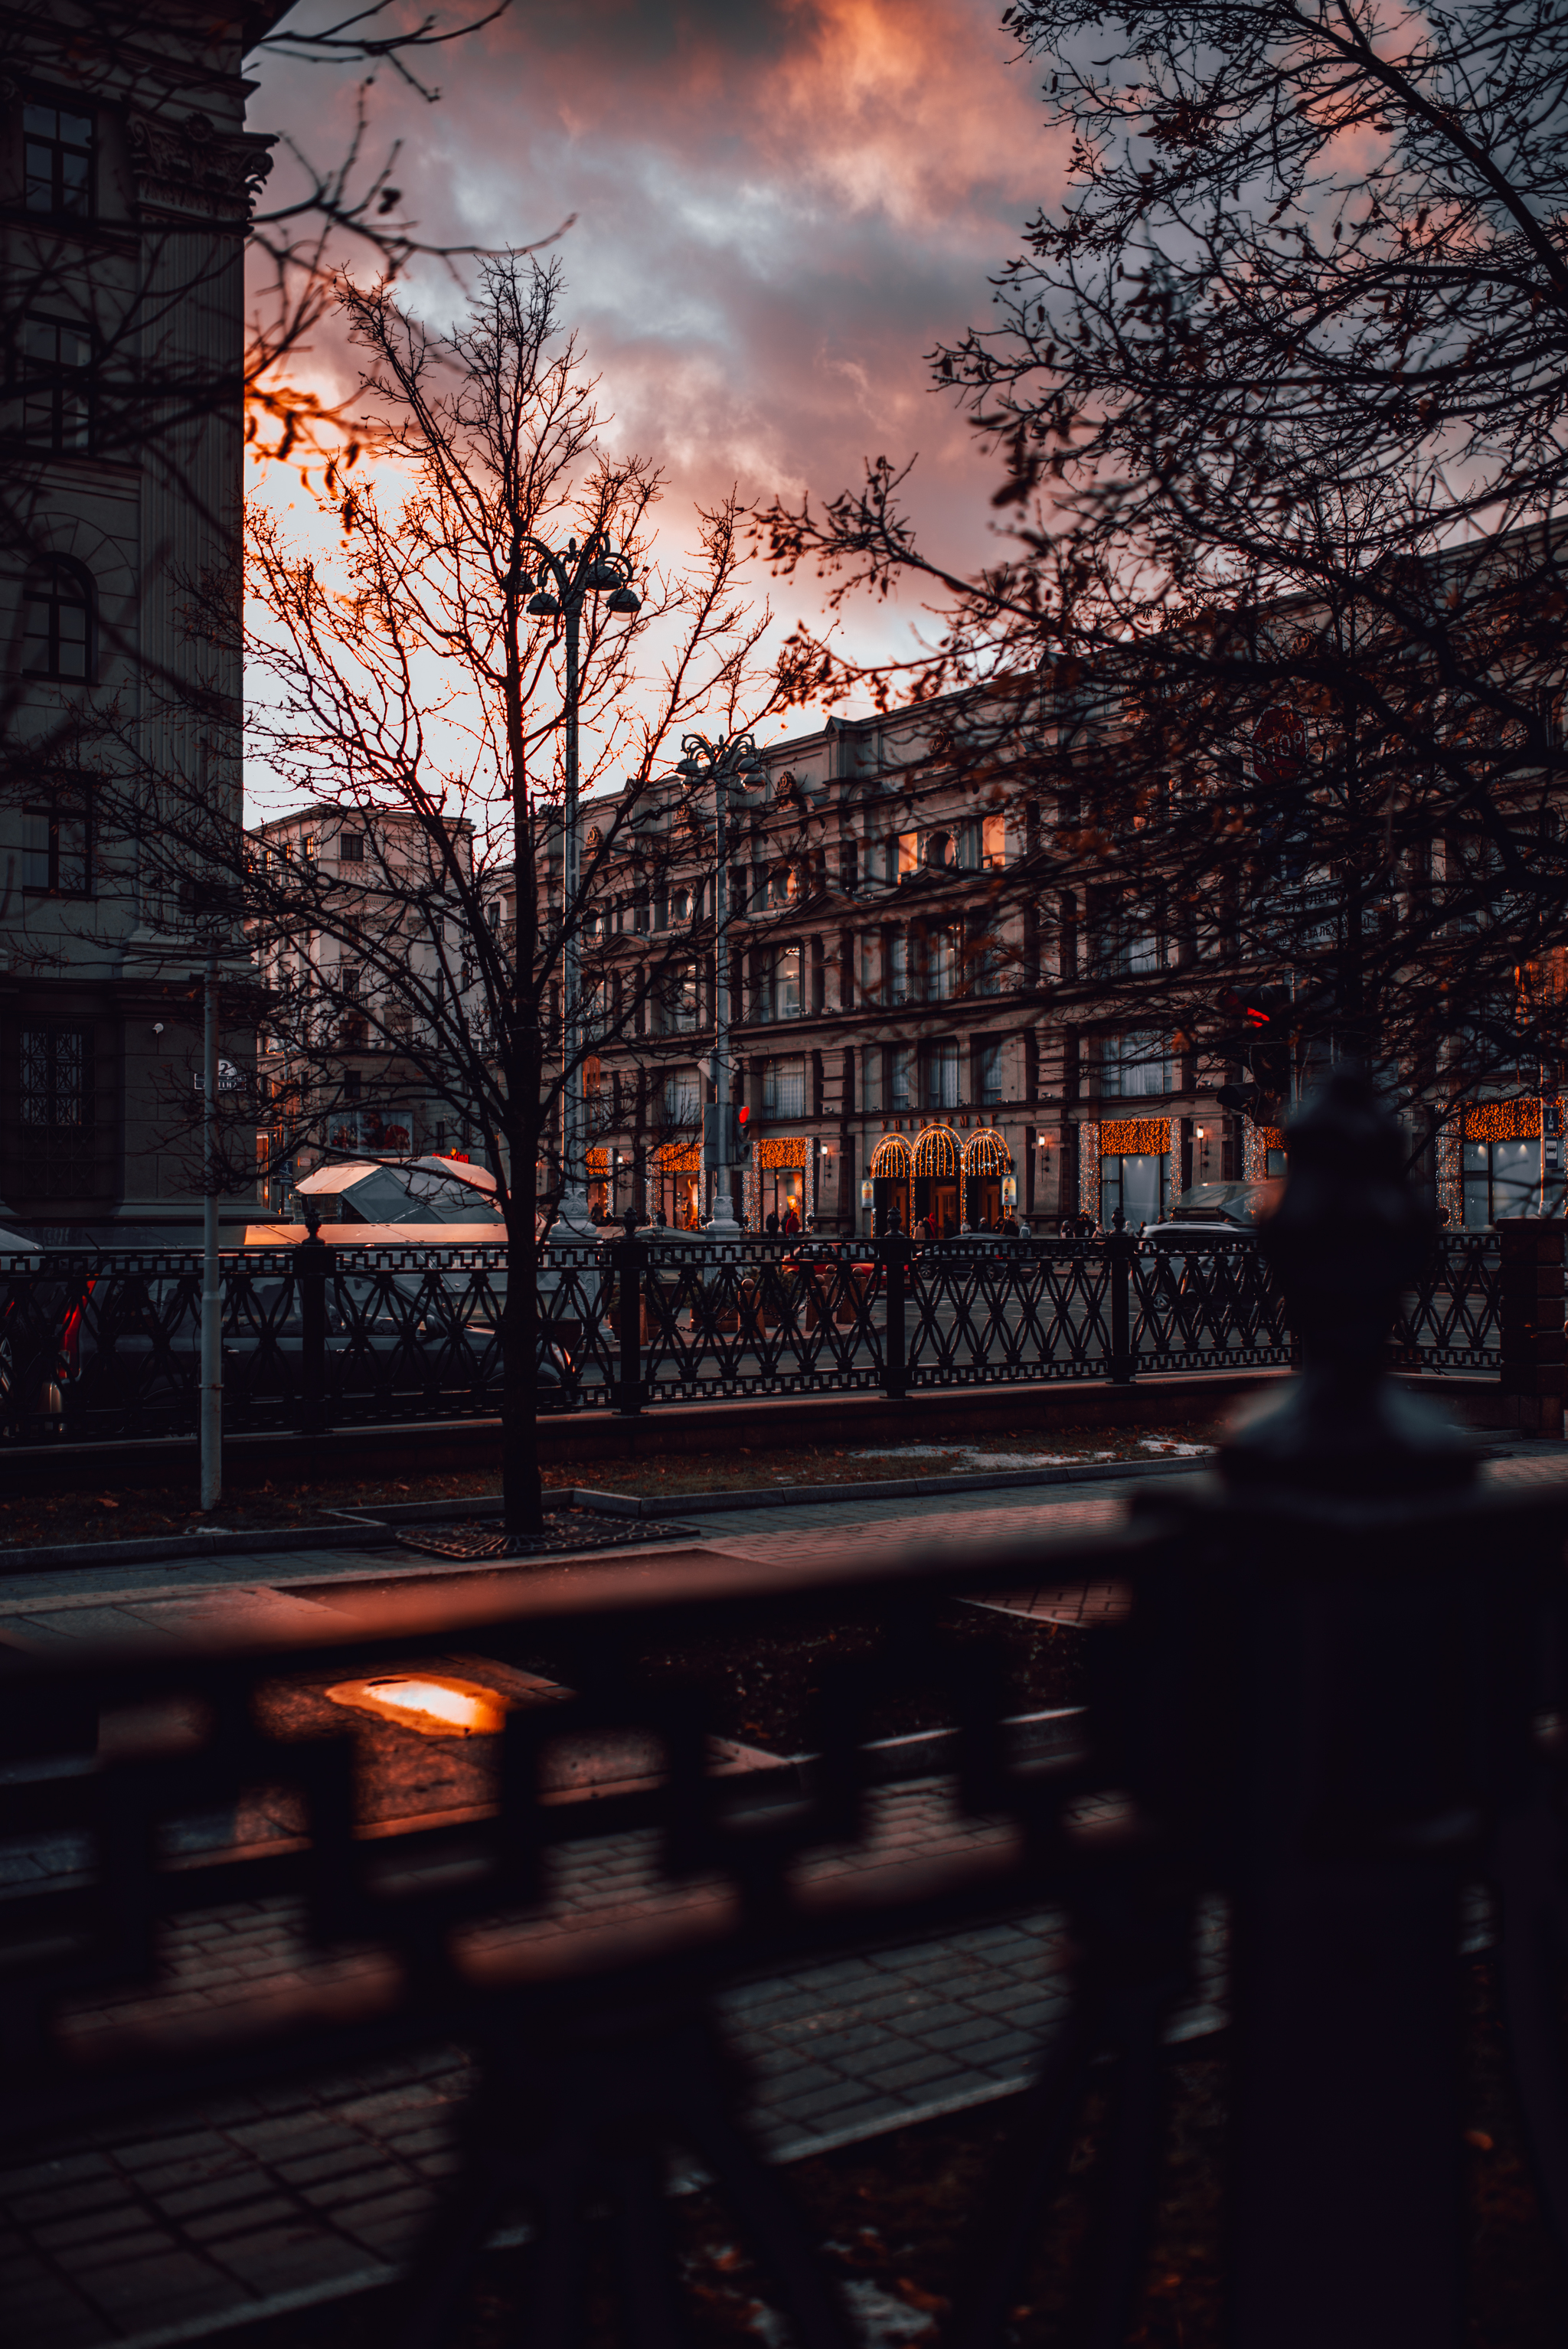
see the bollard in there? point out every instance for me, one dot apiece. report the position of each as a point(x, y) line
point(313, 1263)
point(895, 1253)
point(1529, 1320)
point(1119, 1247)
point(627, 1262)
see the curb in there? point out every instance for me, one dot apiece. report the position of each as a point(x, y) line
point(887, 1488)
point(350, 1530)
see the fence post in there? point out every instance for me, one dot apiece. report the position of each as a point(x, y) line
point(895, 1257)
point(314, 1262)
point(1120, 1244)
point(1530, 1295)
point(626, 1258)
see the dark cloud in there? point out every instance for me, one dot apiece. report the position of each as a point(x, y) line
point(780, 209)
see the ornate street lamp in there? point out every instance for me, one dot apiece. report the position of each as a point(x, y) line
point(565, 583)
point(729, 760)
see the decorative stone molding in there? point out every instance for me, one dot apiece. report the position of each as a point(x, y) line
point(193, 162)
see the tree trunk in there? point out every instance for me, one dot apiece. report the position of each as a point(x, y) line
point(521, 1487)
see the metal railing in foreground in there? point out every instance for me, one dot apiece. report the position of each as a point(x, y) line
point(318, 1337)
point(1334, 1703)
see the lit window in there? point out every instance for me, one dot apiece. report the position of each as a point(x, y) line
point(56, 379)
point(994, 843)
point(908, 852)
point(57, 631)
point(58, 161)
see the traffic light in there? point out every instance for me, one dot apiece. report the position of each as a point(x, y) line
point(724, 1135)
point(1266, 1016)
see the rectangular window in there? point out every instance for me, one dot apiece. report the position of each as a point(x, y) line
point(900, 1078)
point(57, 1106)
point(943, 959)
point(1501, 1179)
point(994, 843)
point(908, 853)
point(849, 864)
point(988, 1074)
point(871, 973)
point(55, 386)
point(942, 1074)
point(58, 161)
point(1133, 1065)
point(351, 847)
point(678, 1101)
point(785, 983)
point(677, 995)
point(898, 968)
point(784, 1089)
point(872, 1078)
point(57, 850)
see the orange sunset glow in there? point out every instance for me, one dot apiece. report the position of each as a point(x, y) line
point(776, 209)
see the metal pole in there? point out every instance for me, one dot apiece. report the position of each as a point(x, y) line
point(573, 1220)
point(212, 1294)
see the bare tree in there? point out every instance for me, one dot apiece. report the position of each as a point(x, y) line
point(1278, 394)
point(415, 694)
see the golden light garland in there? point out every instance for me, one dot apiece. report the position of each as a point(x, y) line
point(986, 1152)
point(1505, 1121)
point(599, 1162)
point(781, 1149)
point(937, 1153)
point(1134, 1137)
point(890, 1160)
point(678, 1157)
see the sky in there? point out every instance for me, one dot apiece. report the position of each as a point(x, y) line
point(779, 207)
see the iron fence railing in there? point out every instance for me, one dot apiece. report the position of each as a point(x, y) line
point(107, 1345)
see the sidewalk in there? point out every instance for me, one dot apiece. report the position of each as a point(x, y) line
point(147, 2237)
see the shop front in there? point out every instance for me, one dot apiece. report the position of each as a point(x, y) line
point(1127, 1164)
point(600, 1205)
point(890, 1181)
point(1506, 1161)
point(674, 1186)
point(779, 1181)
point(987, 1180)
point(937, 1167)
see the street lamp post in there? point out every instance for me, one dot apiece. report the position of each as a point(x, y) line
point(729, 760)
point(565, 583)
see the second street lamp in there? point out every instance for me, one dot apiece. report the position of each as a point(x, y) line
point(566, 582)
point(722, 763)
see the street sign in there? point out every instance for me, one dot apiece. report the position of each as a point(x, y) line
point(1279, 747)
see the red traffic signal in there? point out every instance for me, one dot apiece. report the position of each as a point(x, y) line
point(742, 1116)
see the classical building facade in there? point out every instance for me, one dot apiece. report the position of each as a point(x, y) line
point(907, 1004)
point(126, 177)
point(335, 1076)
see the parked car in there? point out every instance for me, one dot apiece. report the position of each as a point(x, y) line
point(1224, 1210)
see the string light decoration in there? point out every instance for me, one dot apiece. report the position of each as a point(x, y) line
point(599, 1163)
point(1505, 1121)
point(891, 1160)
point(1450, 1177)
point(1134, 1137)
point(986, 1152)
point(937, 1153)
point(1088, 1169)
point(678, 1157)
point(781, 1149)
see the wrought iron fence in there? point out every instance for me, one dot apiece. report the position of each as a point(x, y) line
point(1336, 1813)
point(101, 1346)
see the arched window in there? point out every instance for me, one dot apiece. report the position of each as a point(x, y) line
point(57, 626)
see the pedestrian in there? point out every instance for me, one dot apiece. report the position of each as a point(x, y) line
point(791, 1223)
point(771, 1226)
